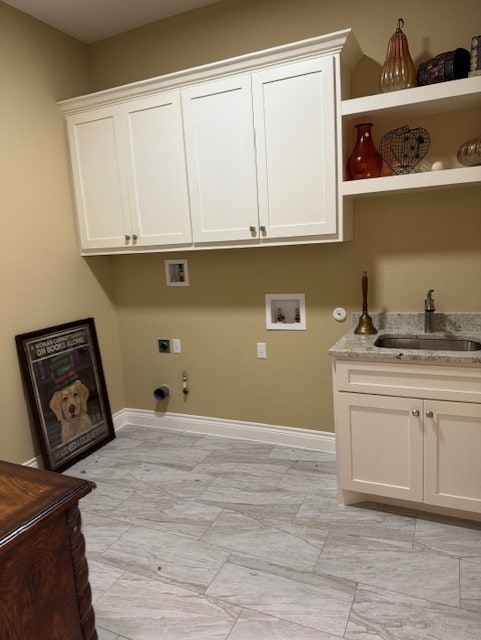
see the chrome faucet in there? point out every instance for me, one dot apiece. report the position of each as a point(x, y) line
point(429, 310)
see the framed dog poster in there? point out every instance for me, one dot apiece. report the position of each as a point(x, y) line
point(64, 378)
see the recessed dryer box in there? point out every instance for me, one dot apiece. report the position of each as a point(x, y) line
point(176, 273)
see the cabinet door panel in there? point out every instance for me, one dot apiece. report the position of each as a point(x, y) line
point(219, 139)
point(98, 177)
point(453, 455)
point(380, 445)
point(159, 201)
point(294, 111)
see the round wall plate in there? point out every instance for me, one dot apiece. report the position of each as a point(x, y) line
point(339, 314)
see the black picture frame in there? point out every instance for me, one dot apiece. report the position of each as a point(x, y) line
point(63, 374)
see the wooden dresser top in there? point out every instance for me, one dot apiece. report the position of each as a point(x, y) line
point(29, 495)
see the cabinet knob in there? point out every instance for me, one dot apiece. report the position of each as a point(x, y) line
point(429, 414)
point(415, 413)
point(263, 229)
point(252, 229)
point(127, 238)
point(134, 238)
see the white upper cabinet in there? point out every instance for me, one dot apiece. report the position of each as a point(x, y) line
point(219, 142)
point(295, 114)
point(241, 152)
point(129, 174)
point(156, 171)
point(261, 154)
point(99, 178)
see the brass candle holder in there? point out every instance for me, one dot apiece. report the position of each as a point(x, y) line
point(365, 326)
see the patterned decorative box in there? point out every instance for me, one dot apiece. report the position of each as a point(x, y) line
point(450, 65)
point(476, 53)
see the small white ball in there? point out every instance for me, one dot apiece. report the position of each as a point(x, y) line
point(438, 165)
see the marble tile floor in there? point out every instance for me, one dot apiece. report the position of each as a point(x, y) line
point(192, 536)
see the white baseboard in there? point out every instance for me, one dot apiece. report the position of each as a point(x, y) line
point(34, 462)
point(290, 436)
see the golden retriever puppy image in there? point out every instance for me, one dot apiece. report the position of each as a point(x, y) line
point(70, 408)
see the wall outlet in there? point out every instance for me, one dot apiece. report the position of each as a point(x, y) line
point(176, 346)
point(164, 346)
point(261, 350)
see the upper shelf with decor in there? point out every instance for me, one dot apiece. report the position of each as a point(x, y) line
point(435, 106)
point(417, 101)
point(411, 138)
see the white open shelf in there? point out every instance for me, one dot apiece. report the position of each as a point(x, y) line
point(404, 105)
point(435, 98)
point(444, 179)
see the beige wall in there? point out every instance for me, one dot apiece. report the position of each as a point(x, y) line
point(234, 27)
point(43, 280)
point(407, 243)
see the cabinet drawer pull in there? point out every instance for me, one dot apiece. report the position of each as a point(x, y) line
point(134, 238)
point(127, 238)
point(415, 413)
point(429, 414)
point(252, 229)
point(263, 229)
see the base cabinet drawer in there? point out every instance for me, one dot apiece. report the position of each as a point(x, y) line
point(409, 380)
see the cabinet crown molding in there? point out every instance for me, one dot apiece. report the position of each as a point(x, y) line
point(330, 44)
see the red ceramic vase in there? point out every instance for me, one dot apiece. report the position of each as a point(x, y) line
point(365, 161)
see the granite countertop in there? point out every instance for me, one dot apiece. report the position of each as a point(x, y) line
point(459, 325)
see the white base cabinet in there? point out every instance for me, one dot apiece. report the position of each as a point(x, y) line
point(380, 445)
point(452, 455)
point(414, 447)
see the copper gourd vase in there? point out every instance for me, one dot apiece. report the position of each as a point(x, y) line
point(398, 71)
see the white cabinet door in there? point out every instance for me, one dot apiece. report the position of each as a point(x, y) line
point(99, 178)
point(295, 123)
point(452, 454)
point(219, 141)
point(156, 170)
point(380, 445)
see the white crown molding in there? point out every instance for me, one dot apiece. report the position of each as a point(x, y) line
point(328, 44)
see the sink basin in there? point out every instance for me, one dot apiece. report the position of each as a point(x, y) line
point(427, 343)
